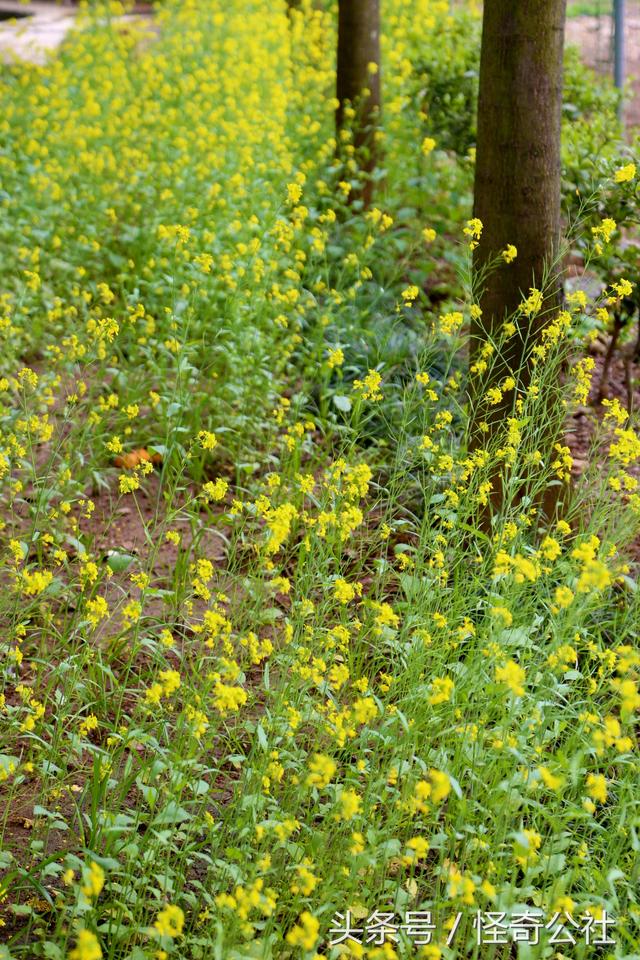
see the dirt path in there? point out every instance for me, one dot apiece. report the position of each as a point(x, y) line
point(32, 31)
point(594, 38)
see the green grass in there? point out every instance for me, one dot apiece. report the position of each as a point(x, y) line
point(590, 8)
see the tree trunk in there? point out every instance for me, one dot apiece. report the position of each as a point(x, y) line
point(358, 48)
point(517, 188)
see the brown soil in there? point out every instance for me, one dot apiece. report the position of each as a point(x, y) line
point(594, 38)
point(623, 384)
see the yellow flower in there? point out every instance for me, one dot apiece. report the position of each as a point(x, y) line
point(86, 948)
point(338, 676)
point(305, 933)
point(170, 922)
point(594, 576)
point(409, 294)
point(433, 790)
point(503, 613)
point(198, 721)
point(441, 690)
point(525, 569)
point(215, 490)
point(629, 695)
point(440, 785)
point(428, 144)
point(605, 229)
point(306, 881)
point(460, 885)
point(170, 680)
point(207, 441)
point(365, 710)
point(533, 304)
point(97, 610)
point(369, 388)
point(279, 523)
point(350, 804)
point(597, 787)
point(513, 676)
point(430, 952)
point(321, 770)
point(550, 548)
point(228, 699)
point(509, 253)
point(526, 847)
point(550, 780)
point(93, 881)
point(473, 230)
point(450, 322)
point(419, 848)
point(35, 582)
point(563, 597)
point(29, 376)
point(128, 484)
point(344, 592)
point(88, 724)
point(357, 843)
point(294, 192)
point(622, 287)
point(623, 174)
point(626, 447)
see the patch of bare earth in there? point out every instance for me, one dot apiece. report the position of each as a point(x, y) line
point(594, 38)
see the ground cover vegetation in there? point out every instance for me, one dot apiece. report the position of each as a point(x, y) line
point(259, 663)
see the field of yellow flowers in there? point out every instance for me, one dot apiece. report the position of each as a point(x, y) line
point(266, 689)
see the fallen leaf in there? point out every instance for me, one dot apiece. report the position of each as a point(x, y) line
point(131, 460)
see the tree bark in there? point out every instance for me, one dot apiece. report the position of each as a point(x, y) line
point(517, 186)
point(358, 47)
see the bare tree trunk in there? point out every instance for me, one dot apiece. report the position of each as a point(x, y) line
point(517, 186)
point(359, 70)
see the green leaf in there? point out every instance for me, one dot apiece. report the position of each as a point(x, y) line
point(172, 813)
point(342, 403)
point(49, 949)
point(556, 863)
point(455, 786)
point(119, 562)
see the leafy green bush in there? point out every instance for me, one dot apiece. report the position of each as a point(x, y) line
point(447, 82)
point(447, 73)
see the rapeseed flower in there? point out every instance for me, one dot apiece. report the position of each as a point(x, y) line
point(513, 676)
point(87, 947)
point(169, 922)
